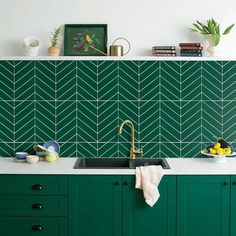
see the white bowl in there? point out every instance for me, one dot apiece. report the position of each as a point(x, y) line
point(32, 159)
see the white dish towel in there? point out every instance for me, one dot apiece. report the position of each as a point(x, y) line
point(148, 179)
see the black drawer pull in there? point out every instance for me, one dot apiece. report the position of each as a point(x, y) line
point(117, 183)
point(37, 206)
point(126, 183)
point(226, 183)
point(234, 183)
point(37, 227)
point(37, 187)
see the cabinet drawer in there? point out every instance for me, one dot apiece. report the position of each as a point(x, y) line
point(33, 205)
point(25, 226)
point(33, 184)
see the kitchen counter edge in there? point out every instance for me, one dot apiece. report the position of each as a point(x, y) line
point(64, 166)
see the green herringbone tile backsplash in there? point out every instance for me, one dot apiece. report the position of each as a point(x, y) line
point(176, 106)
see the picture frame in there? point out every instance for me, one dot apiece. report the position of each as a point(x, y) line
point(84, 39)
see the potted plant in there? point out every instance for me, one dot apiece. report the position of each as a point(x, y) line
point(212, 30)
point(54, 50)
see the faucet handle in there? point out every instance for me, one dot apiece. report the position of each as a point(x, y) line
point(138, 152)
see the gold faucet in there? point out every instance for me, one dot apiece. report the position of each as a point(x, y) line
point(134, 152)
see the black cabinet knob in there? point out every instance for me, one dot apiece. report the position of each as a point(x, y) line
point(234, 183)
point(37, 227)
point(37, 187)
point(37, 206)
point(117, 183)
point(226, 183)
point(126, 183)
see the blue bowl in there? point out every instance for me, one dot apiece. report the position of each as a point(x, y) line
point(21, 155)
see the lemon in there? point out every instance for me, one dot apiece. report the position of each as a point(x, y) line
point(212, 150)
point(227, 151)
point(217, 146)
point(220, 151)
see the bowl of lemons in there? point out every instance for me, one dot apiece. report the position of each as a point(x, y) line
point(219, 150)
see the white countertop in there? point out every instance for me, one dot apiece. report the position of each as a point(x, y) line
point(64, 166)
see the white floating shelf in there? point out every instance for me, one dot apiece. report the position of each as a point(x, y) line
point(108, 58)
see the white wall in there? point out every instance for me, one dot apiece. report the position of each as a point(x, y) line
point(144, 22)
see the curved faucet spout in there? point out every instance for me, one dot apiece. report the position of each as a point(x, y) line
point(126, 122)
point(133, 151)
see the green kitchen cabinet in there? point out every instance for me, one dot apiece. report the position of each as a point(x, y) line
point(33, 205)
point(139, 219)
point(233, 207)
point(111, 206)
point(95, 204)
point(203, 206)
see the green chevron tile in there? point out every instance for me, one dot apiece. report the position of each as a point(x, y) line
point(66, 121)
point(128, 80)
point(66, 80)
point(149, 80)
point(108, 149)
point(87, 121)
point(191, 150)
point(170, 150)
point(87, 149)
point(25, 147)
point(149, 121)
point(229, 121)
point(45, 121)
point(124, 149)
point(191, 80)
point(211, 120)
point(67, 149)
point(151, 150)
point(129, 111)
point(108, 80)
point(211, 80)
point(24, 80)
point(6, 80)
point(87, 81)
point(6, 121)
point(7, 150)
point(229, 80)
point(170, 80)
point(191, 121)
point(45, 73)
point(107, 121)
point(24, 121)
point(170, 121)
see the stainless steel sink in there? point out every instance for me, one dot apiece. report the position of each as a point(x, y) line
point(118, 163)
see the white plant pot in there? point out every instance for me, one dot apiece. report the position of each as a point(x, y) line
point(219, 50)
point(30, 46)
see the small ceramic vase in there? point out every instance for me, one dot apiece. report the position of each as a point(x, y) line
point(54, 51)
point(211, 47)
point(30, 47)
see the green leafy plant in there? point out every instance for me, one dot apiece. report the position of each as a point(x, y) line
point(211, 28)
point(56, 35)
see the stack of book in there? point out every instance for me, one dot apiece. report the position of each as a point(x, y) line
point(164, 51)
point(190, 49)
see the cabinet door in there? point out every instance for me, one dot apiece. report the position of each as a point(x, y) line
point(203, 205)
point(95, 204)
point(233, 206)
point(139, 219)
